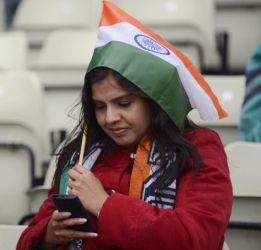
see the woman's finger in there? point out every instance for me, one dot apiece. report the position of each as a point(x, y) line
point(70, 184)
point(67, 233)
point(73, 174)
point(60, 215)
point(61, 239)
point(73, 221)
point(72, 191)
point(80, 169)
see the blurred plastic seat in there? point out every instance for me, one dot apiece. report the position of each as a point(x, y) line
point(244, 164)
point(65, 56)
point(245, 224)
point(230, 92)
point(13, 50)
point(62, 110)
point(39, 17)
point(62, 64)
point(17, 166)
point(9, 236)
point(23, 141)
point(22, 105)
point(182, 22)
point(233, 16)
point(67, 49)
point(39, 193)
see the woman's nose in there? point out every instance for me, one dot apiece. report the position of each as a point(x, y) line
point(112, 115)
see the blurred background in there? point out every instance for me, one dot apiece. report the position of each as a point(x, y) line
point(45, 48)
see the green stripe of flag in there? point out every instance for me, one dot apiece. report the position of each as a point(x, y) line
point(156, 77)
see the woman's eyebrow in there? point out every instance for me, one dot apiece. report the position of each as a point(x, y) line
point(115, 99)
point(122, 96)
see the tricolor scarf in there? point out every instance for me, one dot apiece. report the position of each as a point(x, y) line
point(143, 177)
point(153, 65)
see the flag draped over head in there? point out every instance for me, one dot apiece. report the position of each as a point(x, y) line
point(153, 65)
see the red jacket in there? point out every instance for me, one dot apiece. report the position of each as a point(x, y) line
point(198, 222)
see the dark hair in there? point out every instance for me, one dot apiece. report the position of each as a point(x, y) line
point(170, 141)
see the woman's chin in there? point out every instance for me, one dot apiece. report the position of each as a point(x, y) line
point(124, 142)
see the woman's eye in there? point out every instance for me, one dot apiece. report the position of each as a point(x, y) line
point(124, 103)
point(99, 106)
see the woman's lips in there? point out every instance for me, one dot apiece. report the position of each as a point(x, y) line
point(119, 132)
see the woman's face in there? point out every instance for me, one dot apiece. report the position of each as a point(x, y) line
point(124, 117)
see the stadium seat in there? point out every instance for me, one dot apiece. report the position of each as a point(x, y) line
point(233, 17)
point(39, 17)
point(17, 166)
point(9, 236)
point(182, 22)
point(13, 51)
point(39, 193)
point(245, 171)
point(67, 49)
point(62, 64)
point(245, 224)
point(23, 141)
point(230, 92)
point(62, 110)
point(22, 105)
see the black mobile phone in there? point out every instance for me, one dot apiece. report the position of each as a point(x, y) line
point(72, 204)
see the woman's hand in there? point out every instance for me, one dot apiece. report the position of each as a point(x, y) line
point(88, 188)
point(58, 231)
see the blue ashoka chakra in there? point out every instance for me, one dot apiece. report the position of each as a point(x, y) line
point(150, 44)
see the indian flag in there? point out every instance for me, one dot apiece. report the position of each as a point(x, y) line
point(154, 65)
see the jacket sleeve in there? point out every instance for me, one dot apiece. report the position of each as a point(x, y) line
point(201, 214)
point(35, 230)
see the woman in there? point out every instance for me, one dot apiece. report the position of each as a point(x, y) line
point(120, 119)
point(149, 179)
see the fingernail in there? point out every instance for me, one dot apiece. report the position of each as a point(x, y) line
point(67, 213)
point(94, 235)
point(83, 220)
